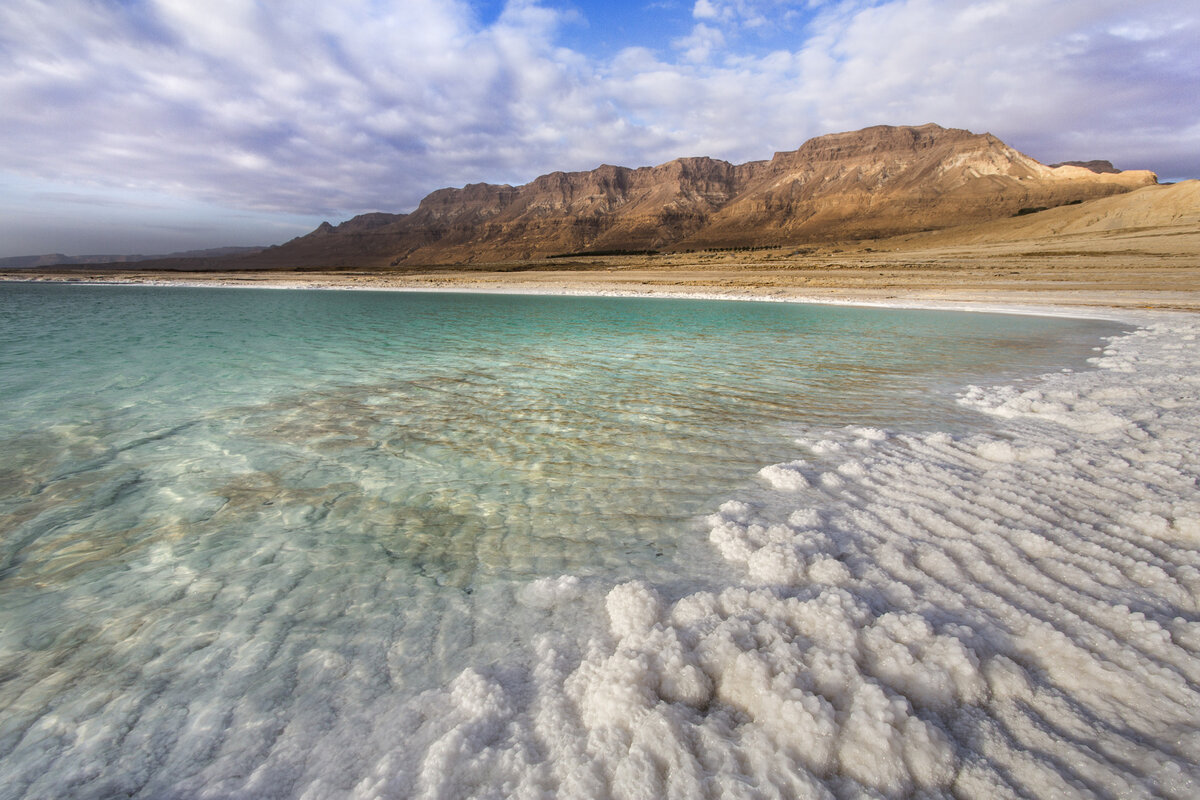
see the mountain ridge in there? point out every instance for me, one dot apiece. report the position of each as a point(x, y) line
point(875, 182)
point(872, 183)
point(61, 259)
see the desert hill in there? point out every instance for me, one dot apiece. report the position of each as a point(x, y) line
point(1148, 207)
point(1157, 218)
point(877, 182)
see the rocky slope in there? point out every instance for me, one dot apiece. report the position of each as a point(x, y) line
point(876, 182)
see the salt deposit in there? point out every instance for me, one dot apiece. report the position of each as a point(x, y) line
point(1016, 615)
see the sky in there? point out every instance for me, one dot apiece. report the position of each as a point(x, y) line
point(151, 126)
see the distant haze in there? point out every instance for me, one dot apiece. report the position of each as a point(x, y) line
point(160, 125)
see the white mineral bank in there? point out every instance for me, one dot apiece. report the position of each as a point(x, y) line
point(1013, 615)
point(1006, 615)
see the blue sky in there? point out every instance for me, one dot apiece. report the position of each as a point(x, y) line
point(159, 125)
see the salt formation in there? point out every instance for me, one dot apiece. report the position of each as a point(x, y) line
point(1008, 615)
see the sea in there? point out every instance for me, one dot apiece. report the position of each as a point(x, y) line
point(250, 539)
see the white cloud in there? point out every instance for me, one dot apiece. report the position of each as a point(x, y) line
point(329, 108)
point(1051, 79)
point(746, 13)
point(701, 43)
point(332, 106)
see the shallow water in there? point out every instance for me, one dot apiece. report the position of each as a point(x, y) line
point(226, 514)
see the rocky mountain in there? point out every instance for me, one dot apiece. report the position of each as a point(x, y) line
point(875, 182)
point(1095, 165)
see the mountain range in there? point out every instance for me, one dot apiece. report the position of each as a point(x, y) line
point(872, 183)
point(58, 259)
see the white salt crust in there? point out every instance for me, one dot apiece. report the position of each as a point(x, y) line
point(1012, 615)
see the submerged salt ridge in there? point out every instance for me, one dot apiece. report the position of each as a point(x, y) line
point(988, 616)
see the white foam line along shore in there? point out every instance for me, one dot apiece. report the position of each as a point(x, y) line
point(844, 298)
point(1006, 615)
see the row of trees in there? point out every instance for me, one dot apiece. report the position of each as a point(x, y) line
point(741, 249)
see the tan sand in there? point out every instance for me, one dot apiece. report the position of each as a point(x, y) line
point(1069, 280)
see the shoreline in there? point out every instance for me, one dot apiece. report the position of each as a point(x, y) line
point(1063, 302)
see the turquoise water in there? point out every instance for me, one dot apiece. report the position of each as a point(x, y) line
point(227, 512)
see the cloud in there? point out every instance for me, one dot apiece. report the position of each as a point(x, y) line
point(751, 13)
point(310, 107)
point(1103, 79)
point(1046, 77)
point(301, 105)
point(41, 216)
point(701, 43)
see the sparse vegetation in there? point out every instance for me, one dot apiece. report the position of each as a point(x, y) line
point(605, 253)
point(742, 249)
point(1034, 209)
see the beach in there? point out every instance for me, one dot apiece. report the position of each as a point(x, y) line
point(1124, 269)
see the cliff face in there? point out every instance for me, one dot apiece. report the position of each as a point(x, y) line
point(874, 182)
point(882, 181)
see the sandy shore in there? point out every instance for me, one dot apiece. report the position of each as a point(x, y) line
point(1165, 281)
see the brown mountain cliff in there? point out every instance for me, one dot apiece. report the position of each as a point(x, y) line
point(875, 182)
